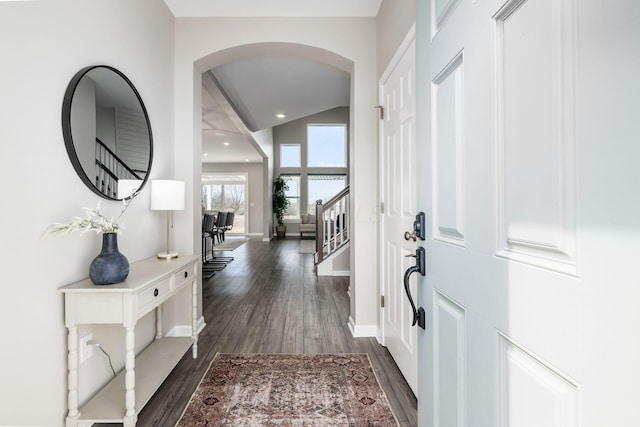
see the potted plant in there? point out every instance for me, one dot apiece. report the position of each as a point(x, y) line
point(280, 204)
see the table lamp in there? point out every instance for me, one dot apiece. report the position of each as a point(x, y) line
point(167, 195)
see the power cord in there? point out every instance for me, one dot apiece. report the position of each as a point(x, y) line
point(92, 342)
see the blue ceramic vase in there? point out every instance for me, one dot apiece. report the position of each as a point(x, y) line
point(110, 266)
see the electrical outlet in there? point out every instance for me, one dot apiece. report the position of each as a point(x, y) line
point(85, 350)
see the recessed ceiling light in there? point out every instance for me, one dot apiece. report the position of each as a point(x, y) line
point(226, 143)
point(206, 154)
point(220, 133)
point(281, 115)
point(246, 160)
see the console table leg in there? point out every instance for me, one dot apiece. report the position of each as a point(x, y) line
point(130, 421)
point(194, 318)
point(129, 378)
point(159, 322)
point(72, 376)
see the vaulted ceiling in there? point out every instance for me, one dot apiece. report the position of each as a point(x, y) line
point(256, 90)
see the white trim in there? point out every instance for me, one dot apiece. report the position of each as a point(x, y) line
point(185, 330)
point(362, 331)
point(325, 268)
point(341, 273)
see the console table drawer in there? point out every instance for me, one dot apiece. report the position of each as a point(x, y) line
point(154, 294)
point(184, 275)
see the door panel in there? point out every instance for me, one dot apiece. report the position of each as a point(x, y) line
point(450, 383)
point(532, 393)
point(535, 42)
point(398, 198)
point(528, 137)
point(448, 153)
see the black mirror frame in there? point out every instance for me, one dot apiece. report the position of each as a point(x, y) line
point(68, 138)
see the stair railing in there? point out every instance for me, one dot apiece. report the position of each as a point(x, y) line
point(332, 224)
point(109, 169)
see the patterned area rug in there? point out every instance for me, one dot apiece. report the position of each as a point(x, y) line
point(259, 390)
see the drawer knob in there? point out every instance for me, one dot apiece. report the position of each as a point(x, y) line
point(186, 273)
point(155, 292)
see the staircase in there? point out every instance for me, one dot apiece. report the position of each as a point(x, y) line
point(332, 231)
point(109, 169)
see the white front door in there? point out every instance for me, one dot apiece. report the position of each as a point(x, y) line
point(398, 196)
point(529, 152)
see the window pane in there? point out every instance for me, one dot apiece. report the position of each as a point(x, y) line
point(212, 197)
point(293, 195)
point(293, 211)
point(323, 187)
point(293, 181)
point(327, 146)
point(234, 198)
point(290, 156)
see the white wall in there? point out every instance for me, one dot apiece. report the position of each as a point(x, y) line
point(392, 24)
point(264, 139)
point(347, 43)
point(255, 186)
point(44, 43)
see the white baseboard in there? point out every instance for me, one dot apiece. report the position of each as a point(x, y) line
point(185, 330)
point(362, 331)
point(340, 273)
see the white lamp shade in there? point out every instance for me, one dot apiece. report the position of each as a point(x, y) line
point(167, 195)
point(126, 187)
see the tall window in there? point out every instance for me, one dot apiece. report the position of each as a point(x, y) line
point(326, 146)
point(323, 187)
point(293, 195)
point(315, 168)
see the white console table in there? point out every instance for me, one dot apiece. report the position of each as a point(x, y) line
point(150, 283)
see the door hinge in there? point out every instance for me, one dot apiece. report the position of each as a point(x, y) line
point(382, 301)
point(380, 110)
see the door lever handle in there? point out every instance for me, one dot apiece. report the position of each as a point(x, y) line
point(419, 315)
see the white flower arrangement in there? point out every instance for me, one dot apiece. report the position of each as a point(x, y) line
point(92, 221)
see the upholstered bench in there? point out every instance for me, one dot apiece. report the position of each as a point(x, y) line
point(308, 225)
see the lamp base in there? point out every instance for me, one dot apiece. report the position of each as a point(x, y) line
point(167, 255)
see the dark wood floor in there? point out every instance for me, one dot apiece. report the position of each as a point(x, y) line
point(269, 300)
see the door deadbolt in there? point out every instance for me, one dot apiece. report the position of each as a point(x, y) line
point(418, 229)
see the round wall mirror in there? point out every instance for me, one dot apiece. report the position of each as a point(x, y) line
point(107, 132)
